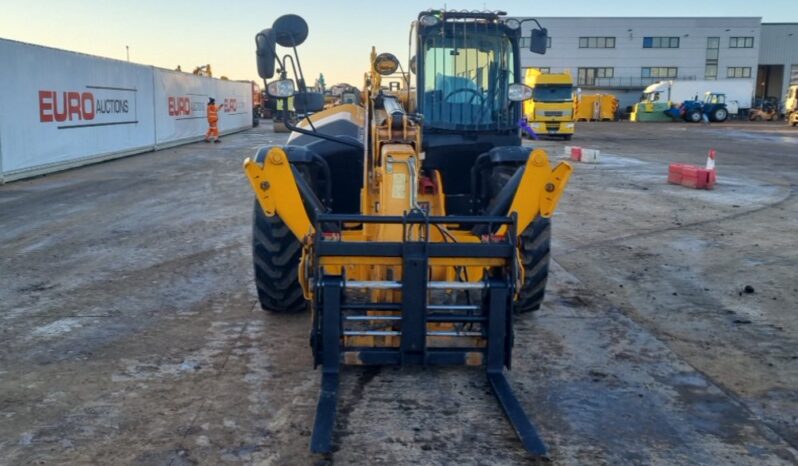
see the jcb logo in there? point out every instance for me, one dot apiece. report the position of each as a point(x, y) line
point(179, 106)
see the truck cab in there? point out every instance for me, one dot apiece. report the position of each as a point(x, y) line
point(551, 109)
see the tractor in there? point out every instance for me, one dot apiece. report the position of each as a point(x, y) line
point(713, 107)
point(415, 225)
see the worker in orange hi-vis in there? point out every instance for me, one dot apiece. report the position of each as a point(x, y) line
point(213, 118)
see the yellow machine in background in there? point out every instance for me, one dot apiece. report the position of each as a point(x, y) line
point(551, 109)
point(596, 107)
point(412, 224)
point(203, 70)
point(791, 106)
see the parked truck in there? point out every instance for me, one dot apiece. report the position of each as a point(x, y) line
point(661, 96)
point(551, 109)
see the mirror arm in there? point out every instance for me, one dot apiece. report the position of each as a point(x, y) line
point(302, 85)
point(286, 58)
point(301, 82)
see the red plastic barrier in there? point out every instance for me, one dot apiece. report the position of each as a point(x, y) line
point(576, 154)
point(692, 176)
point(675, 173)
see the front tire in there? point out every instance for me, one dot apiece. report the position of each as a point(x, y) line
point(535, 244)
point(535, 256)
point(275, 254)
point(694, 116)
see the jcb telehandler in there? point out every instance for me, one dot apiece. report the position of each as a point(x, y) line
point(413, 225)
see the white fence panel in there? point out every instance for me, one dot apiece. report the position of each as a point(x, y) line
point(181, 100)
point(64, 108)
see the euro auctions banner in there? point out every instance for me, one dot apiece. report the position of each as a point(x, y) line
point(181, 100)
point(62, 106)
point(62, 109)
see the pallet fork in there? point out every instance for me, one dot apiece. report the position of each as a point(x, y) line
point(413, 320)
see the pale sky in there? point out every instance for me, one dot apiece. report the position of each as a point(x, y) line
point(191, 33)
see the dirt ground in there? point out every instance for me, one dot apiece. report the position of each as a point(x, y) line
point(130, 334)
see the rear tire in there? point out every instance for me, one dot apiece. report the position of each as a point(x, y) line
point(720, 115)
point(275, 254)
point(535, 250)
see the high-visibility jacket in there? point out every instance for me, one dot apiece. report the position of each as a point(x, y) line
point(213, 113)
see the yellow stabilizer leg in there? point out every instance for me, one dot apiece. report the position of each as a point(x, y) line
point(277, 193)
point(539, 190)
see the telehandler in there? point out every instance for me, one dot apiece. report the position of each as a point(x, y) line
point(411, 226)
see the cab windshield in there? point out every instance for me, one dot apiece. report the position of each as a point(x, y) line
point(466, 75)
point(552, 93)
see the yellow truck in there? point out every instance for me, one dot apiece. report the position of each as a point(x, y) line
point(551, 109)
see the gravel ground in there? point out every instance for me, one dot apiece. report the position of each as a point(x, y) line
point(130, 332)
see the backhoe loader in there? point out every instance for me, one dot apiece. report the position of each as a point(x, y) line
point(412, 225)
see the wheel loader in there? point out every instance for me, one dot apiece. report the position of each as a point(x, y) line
point(412, 226)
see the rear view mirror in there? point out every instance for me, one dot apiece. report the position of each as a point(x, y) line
point(290, 30)
point(539, 41)
point(287, 31)
point(264, 53)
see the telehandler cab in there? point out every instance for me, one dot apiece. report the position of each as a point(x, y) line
point(413, 225)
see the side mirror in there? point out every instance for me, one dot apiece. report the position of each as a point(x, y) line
point(290, 30)
point(281, 89)
point(539, 41)
point(386, 64)
point(519, 92)
point(287, 31)
point(264, 53)
point(413, 65)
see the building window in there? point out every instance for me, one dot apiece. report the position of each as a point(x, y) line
point(588, 76)
point(741, 42)
point(524, 43)
point(660, 42)
point(659, 72)
point(738, 72)
point(596, 42)
point(713, 52)
point(794, 74)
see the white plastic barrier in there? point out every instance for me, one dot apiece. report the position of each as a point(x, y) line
point(63, 109)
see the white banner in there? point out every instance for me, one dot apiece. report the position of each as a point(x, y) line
point(63, 109)
point(181, 100)
point(61, 106)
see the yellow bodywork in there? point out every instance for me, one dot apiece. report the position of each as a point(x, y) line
point(393, 186)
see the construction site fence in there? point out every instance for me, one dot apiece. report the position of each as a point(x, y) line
point(63, 109)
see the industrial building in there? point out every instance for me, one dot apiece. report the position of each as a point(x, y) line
point(622, 56)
